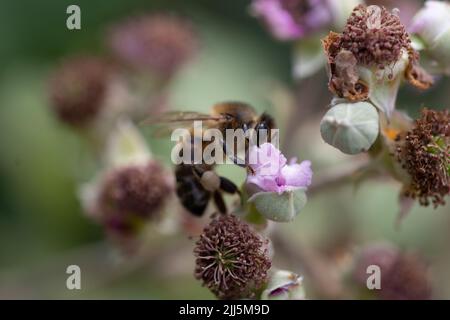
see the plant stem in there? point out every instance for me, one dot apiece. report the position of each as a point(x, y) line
point(339, 175)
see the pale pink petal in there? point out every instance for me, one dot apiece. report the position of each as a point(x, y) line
point(297, 175)
point(271, 172)
point(266, 160)
point(279, 21)
point(265, 183)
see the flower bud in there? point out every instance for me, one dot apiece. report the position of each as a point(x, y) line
point(131, 190)
point(231, 259)
point(131, 195)
point(350, 127)
point(284, 285)
point(432, 25)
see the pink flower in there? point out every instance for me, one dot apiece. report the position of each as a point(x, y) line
point(273, 174)
point(292, 19)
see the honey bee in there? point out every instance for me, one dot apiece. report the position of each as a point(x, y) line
point(197, 184)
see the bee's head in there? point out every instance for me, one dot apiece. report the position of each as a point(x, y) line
point(238, 115)
point(263, 126)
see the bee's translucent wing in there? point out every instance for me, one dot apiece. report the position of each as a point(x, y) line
point(178, 116)
point(165, 123)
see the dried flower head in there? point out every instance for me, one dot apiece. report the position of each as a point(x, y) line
point(424, 152)
point(231, 259)
point(132, 194)
point(78, 88)
point(371, 57)
point(406, 279)
point(404, 276)
point(380, 254)
point(375, 36)
point(160, 43)
point(344, 80)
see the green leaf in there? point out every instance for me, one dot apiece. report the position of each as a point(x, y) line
point(279, 207)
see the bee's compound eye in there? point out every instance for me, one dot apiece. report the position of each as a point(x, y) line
point(210, 181)
point(262, 126)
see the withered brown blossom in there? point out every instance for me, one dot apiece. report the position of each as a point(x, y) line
point(375, 36)
point(132, 194)
point(78, 88)
point(231, 259)
point(159, 43)
point(406, 279)
point(372, 37)
point(379, 254)
point(404, 276)
point(424, 152)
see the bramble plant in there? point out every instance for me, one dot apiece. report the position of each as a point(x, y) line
point(368, 54)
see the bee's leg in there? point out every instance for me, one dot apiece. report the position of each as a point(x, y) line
point(197, 171)
point(233, 157)
point(238, 161)
point(247, 158)
point(228, 186)
point(219, 202)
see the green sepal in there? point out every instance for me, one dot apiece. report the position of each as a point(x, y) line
point(277, 207)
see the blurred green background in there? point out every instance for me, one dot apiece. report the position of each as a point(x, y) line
point(42, 227)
